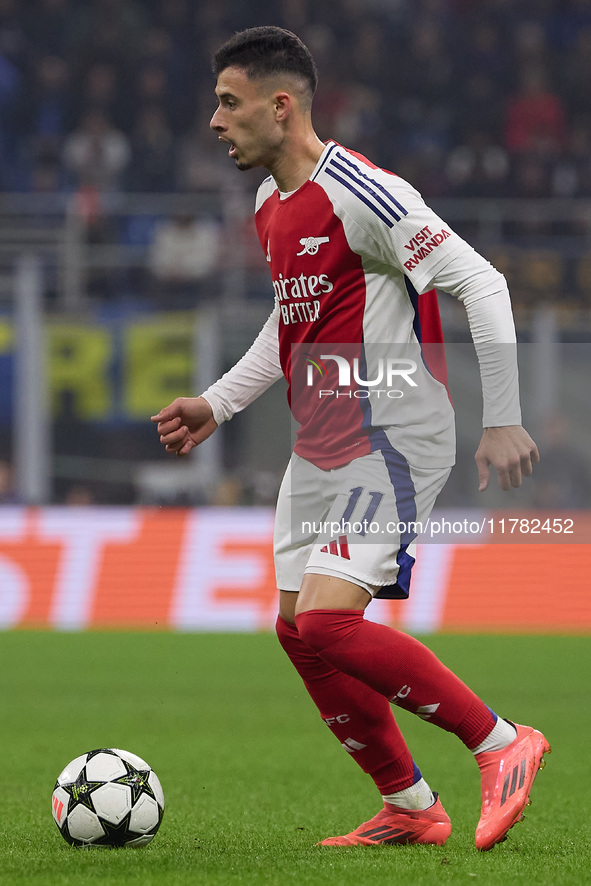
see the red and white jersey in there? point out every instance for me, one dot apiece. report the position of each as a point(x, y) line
point(353, 254)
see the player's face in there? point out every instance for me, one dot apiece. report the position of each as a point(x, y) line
point(246, 119)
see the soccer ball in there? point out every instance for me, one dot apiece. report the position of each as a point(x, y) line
point(108, 797)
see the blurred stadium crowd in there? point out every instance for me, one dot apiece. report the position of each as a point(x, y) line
point(462, 98)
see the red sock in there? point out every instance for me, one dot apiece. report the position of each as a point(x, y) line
point(359, 717)
point(398, 667)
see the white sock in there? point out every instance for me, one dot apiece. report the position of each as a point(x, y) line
point(417, 796)
point(503, 733)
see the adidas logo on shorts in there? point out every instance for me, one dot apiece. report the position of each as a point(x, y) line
point(339, 547)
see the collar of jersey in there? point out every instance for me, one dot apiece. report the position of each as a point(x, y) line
point(287, 195)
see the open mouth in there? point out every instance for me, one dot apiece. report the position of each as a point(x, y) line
point(232, 149)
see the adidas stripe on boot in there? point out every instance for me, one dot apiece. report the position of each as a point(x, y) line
point(393, 825)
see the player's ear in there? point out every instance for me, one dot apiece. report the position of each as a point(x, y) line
point(283, 104)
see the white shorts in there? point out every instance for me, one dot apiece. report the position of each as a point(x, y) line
point(358, 522)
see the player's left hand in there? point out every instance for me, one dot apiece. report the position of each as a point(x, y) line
point(511, 451)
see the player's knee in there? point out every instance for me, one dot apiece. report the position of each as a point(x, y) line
point(311, 630)
point(320, 628)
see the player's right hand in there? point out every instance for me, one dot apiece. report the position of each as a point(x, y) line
point(186, 423)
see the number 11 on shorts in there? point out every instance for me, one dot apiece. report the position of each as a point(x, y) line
point(360, 527)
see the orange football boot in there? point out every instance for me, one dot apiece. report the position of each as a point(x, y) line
point(394, 825)
point(507, 777)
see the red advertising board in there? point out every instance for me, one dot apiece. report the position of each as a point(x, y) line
point(212, 569)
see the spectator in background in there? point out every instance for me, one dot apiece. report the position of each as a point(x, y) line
point(183, 253)
point(198, 162)
point(10, 84)
point(171, 55)
point(530, 179)
point(330, 102)
point(571, 176)
point(176, 17)
point(152, 152)
point(427, 73)
point(46, 109)
point(569, 20)
point(575, 76)
point(156, 48)
point(108, 30)
point(13, 44)
point(45, 178)
point(408, 95)
point(151, 87)
point(530, 43)
point(480, 106)
point(101, 91)
point(478, 167)
point(535, 121)
point(424, 111)
point(96, 154)
point(47, 27)
point(357, 121)
point(484, 52)
point(370, 62)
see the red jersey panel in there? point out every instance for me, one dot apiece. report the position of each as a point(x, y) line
point(348, 253)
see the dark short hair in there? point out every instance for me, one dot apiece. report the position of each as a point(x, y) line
point(264, 51)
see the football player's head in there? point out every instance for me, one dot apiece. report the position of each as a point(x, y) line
point(266, 79)
point(266, 52)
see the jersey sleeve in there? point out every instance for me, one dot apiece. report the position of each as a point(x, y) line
point(250, 377)
point(421, 242)
point(484, 293)
point(395, 227)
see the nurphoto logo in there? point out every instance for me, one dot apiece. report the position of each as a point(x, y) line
point(388, 371)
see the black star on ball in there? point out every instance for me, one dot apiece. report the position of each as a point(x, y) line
point(137, 781)
point(116, 835)
point(81, 791)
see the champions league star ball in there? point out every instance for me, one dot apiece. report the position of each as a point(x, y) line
point(108, 797)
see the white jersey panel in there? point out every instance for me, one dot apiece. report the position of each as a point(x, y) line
point(396, 227)
point(420, 424)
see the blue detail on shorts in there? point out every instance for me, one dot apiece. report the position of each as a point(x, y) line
point(404, 491)
point(405, 564)
point(399, 473)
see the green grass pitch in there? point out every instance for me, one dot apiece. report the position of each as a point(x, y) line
point(251, 776)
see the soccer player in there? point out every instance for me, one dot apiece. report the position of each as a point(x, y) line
point(354, 254)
